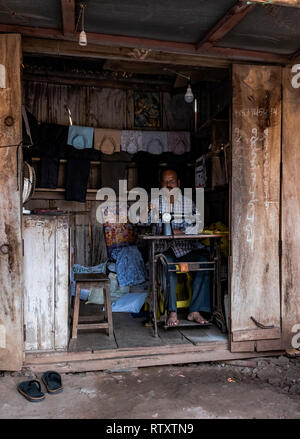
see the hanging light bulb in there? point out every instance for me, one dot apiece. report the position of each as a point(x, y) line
point(82, 38)
point(82, 35)
point(189, 97)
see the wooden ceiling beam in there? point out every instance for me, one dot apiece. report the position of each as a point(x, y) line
point(68, 16)
point(94, 51)
point(232, 17)
point(295, 56)
point(136, 49)
point(291, 3)
point(38, 32)
point(118, 40)
point(214, 56)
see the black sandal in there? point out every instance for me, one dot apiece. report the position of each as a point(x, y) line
point(31, 390)
point(52, 381)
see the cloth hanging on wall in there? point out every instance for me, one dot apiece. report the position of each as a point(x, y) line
point(52, 139)
point(49, 172)
point(179, 142)
point(155, 142)
point(131, 141)
point(107, 141)
point(80, 137)
point(113, 169)
point(78, 171)
point(51, 144)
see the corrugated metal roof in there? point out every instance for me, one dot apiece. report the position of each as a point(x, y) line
point(173, 20)
point(266, 28)
point(269, 29)
point(39, 13)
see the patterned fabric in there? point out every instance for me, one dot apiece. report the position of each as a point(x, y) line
point(130, 266)
point(179, 142)
point(80, 137)
point(155, 142)
point(107, 141)
point(181, 205)
point(131, 141)
point(116, 234)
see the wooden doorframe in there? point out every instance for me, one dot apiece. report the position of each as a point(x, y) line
point(290, 209)
point(11, 270)
point(256, 108)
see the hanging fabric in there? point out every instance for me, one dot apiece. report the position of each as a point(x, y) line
point(78, 171)
point(80, 137)
point(131, 141)
point(179, 142)
point(155, 142)
point(107, 141)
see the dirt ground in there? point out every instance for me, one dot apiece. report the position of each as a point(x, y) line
point(266, 388)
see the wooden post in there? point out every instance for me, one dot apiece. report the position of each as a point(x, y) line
point(290, 209)
point(256, 131)
point(11, 294)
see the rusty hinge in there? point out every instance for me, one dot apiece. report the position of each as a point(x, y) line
point(23, 247)
point(24, 331)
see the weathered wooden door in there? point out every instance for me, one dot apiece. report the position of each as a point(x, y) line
point(11, 320)
point(255, 208)
point(291, 207)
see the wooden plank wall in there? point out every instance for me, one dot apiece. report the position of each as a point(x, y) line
point(99, 107)
point(11, 294)
point(96, 107)
point(256, 137)
point(290, 208)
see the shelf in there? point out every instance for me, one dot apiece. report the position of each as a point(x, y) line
point(59, 194)
point(45, 189)
point(38, 159)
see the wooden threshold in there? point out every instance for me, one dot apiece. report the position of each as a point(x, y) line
point(117, 359)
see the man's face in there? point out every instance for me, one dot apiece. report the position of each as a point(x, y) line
point(169, 180)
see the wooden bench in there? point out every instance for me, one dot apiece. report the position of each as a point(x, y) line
point(92, 280)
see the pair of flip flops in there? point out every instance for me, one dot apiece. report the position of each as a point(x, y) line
point(32, 390)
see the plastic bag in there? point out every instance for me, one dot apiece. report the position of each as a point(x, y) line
point(96, 296)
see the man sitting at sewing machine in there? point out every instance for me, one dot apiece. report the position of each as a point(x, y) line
point(181, 250)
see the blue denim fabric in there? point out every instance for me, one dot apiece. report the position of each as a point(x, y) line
point(130, 267)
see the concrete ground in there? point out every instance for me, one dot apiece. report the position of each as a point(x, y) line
point(256, 388)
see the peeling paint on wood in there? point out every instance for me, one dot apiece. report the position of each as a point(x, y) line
point(46, 282)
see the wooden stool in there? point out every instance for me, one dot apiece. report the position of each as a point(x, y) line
point(89, 280)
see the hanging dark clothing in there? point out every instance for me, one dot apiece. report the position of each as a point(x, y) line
point(78, 171)
point(51, 145)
